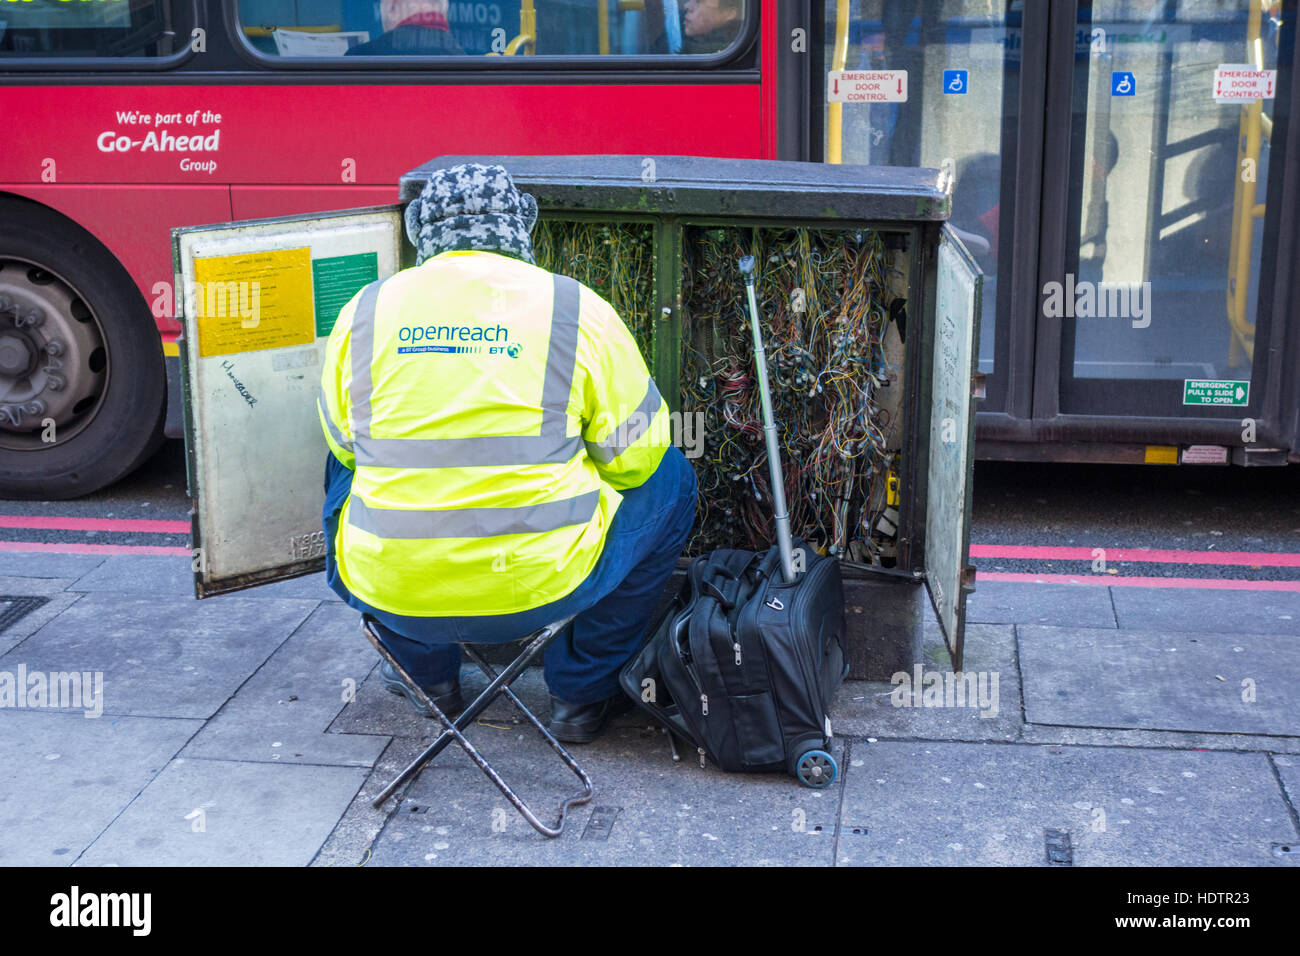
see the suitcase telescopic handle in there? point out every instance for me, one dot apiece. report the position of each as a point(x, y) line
point(769, 429)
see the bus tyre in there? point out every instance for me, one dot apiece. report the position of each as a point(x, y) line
point(82, 382)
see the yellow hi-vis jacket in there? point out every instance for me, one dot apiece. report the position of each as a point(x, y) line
point(491, 411)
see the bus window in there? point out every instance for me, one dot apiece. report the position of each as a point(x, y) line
point(440, 28)
point(56, 28)
point(1168, 185)
point(960, 63)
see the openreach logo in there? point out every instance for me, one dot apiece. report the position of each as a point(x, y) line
point(440, 338)
point(978, 689)
point(55, 690)
point(75, 908)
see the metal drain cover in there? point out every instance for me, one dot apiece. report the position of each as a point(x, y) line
point(13, 608)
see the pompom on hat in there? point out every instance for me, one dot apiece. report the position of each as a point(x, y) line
point(471, 206)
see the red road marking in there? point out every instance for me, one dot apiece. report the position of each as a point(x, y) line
point(59, 523)
point(1021, 551)
point(65, 547)
point(1269, 559)
point(1111, 580)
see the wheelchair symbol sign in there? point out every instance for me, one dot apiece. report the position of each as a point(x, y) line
point(954, 81)
point(1122, 84)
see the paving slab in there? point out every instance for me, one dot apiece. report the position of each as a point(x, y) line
point(657, 812)
point(902, 708)
point(228, 813)
point(1209, 610)
point(55, 601)
point(350, 842)
point(647, 810)
point(376, 711)
point(1234, 683)
point(66, 777)
point(281, 713)
point(159, 574)
point(11, 584)
point(44, 564)
point(161, 656)
point(968, 804)
point(1088, 736)
point(174, 575)
point(1012, 602)
point(1288, 771)
point(310, 586)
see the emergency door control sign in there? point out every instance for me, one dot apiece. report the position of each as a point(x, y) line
point(1237, 82)
point(866, 86)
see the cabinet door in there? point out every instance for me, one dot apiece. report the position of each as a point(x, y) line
point(954, 384)
point(257, 301)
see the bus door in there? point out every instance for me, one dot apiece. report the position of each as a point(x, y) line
point(955, 85)
point(1161, 210)
point(1114, 175)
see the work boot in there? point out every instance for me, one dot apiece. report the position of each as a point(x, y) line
point(582, 723)
point(446, 695)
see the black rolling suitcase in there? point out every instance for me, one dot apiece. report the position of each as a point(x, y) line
point(746, 661)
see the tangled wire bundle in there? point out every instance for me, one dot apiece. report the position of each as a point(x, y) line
point(823, 310)
point(616, 260)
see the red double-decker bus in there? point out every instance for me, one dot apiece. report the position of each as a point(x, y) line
point(1136, 224)
point(127, 118)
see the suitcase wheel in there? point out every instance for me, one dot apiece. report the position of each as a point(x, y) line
point(817, 769)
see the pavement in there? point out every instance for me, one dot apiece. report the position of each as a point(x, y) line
point(1103, 726)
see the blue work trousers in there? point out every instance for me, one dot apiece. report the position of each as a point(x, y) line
point(613, 603)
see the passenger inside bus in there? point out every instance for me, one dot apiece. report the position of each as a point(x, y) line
point(327, 28)
point(703, 26)
point(710, 26)
point(411, 28)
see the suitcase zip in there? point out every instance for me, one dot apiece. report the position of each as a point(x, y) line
point(687, 660)
point(704, 698)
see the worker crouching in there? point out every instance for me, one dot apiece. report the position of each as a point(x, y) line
point(500, 458)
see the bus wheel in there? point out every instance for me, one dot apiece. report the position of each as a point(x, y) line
point(82, 382)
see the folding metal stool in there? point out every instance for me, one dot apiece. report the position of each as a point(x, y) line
point(498, 684)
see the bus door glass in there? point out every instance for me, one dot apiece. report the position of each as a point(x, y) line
point(936, 83)
point(1165, 238)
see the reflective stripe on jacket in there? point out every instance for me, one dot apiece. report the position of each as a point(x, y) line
point(491, 410)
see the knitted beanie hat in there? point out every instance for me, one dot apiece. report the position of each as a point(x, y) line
point(471, 206)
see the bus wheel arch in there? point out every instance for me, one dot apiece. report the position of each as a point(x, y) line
point(82, 380)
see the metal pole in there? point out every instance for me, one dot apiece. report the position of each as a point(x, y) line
point(769, 429)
